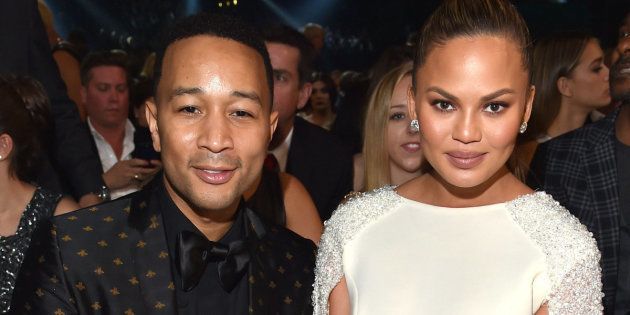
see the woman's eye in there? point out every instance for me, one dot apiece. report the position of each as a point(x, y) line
point(444, 106)
point(397, 116)
point(495, 107)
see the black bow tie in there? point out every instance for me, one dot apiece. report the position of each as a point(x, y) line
point(194, 252)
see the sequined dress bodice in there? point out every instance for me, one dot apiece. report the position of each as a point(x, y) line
point(14, 247)
point(399, 256)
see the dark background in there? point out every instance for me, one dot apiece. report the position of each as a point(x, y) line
point(358, 30)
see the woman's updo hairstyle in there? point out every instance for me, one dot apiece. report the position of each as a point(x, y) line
point(471, 18)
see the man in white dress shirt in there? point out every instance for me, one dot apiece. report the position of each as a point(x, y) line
point(105, 94)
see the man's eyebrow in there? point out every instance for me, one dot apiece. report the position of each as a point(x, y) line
point(247, 95)
point(184, 91)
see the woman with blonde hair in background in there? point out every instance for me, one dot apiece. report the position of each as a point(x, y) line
point(391, 149)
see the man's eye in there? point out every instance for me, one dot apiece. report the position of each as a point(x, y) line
point(242, 113)
point(280, 77)
point(189, 110)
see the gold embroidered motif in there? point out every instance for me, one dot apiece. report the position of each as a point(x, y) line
point(82, 253)
point(252, 280)
point(65, 268)
point(154, 223)
point(102, 243)
point(80, 286)
point(59, 312)
point(159, 305)
point(72, 218)
point(281, 270)
point(41, 259)
point(117, 261)
point(127, 209)
point(66, 238)
point(288, 300)
point(171, 286)
point(87, 228)
point(93, 209)
point(272, 284)
point(163, 255)
point(99, 270)
point(143, 205)
point(134, 280)
point(289, 256)
point(39, 292)
point(96, 306)
point(122, 235)
point(114, 291)
point(54, 279)
point(297, 284)
point(108, 219)
point(129, 312)
point(141, 244)
point(150, 274)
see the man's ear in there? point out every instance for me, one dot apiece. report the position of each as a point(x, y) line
point(273, 123)
point(152, 117)
point(6, 145)
point(565, 86)
point(305, 94)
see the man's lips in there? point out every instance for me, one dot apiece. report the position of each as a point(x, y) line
point(411, 147)
point(465, 159)
point(214, 176)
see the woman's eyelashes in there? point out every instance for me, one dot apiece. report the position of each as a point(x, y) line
point(492, 107)
point(397, 116)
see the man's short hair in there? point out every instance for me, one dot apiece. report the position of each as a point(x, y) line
point(101, 58)
point(216, 25)
point(284, 34)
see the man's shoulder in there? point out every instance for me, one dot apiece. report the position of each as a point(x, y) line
point(582, 139)
point(284, 241)
point(99, 219)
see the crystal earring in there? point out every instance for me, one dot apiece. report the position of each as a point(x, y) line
point(414, 126)
point(523, 127)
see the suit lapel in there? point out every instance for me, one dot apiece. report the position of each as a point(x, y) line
point(152, 267)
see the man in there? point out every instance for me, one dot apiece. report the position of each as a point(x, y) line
point(302, 149)
point(153, 251)
point(105, 96)
point(73, 166)
point(588, 172)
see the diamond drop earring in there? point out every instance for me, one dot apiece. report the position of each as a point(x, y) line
point(522, 128)
point(414, 126)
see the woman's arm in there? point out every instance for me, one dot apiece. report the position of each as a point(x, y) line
point(66, 205)
point(302, 216)
point(339, 299)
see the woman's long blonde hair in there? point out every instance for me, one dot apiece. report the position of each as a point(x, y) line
point(376, 168)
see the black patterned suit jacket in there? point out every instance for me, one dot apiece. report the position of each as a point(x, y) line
point(113, 259)
point(579, 169)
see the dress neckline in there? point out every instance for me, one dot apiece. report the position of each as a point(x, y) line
point(22, 221)
point(472, 208)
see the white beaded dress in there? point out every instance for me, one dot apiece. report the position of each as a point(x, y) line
point(399, 256)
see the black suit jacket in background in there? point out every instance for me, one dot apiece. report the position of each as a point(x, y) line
point(579, 169)
point(25, 51)
point(113, 259)
point(322, 163)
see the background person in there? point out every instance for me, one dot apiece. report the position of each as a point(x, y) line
point(391, 149)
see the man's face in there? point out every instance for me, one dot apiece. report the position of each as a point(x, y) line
point(106, 96)
point(212, 121)
point(289, 96)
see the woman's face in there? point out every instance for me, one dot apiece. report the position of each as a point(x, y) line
point(403, 145)
point(471, 97)
point(320, 98)
point(588, 82)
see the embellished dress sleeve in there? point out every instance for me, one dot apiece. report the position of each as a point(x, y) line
point(350, 218)
point(571, 254)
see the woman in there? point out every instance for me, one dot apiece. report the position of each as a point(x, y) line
point(467, 237)
point(391, 150)
point(23, 205)
point(323, 96)
point(571, 82)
